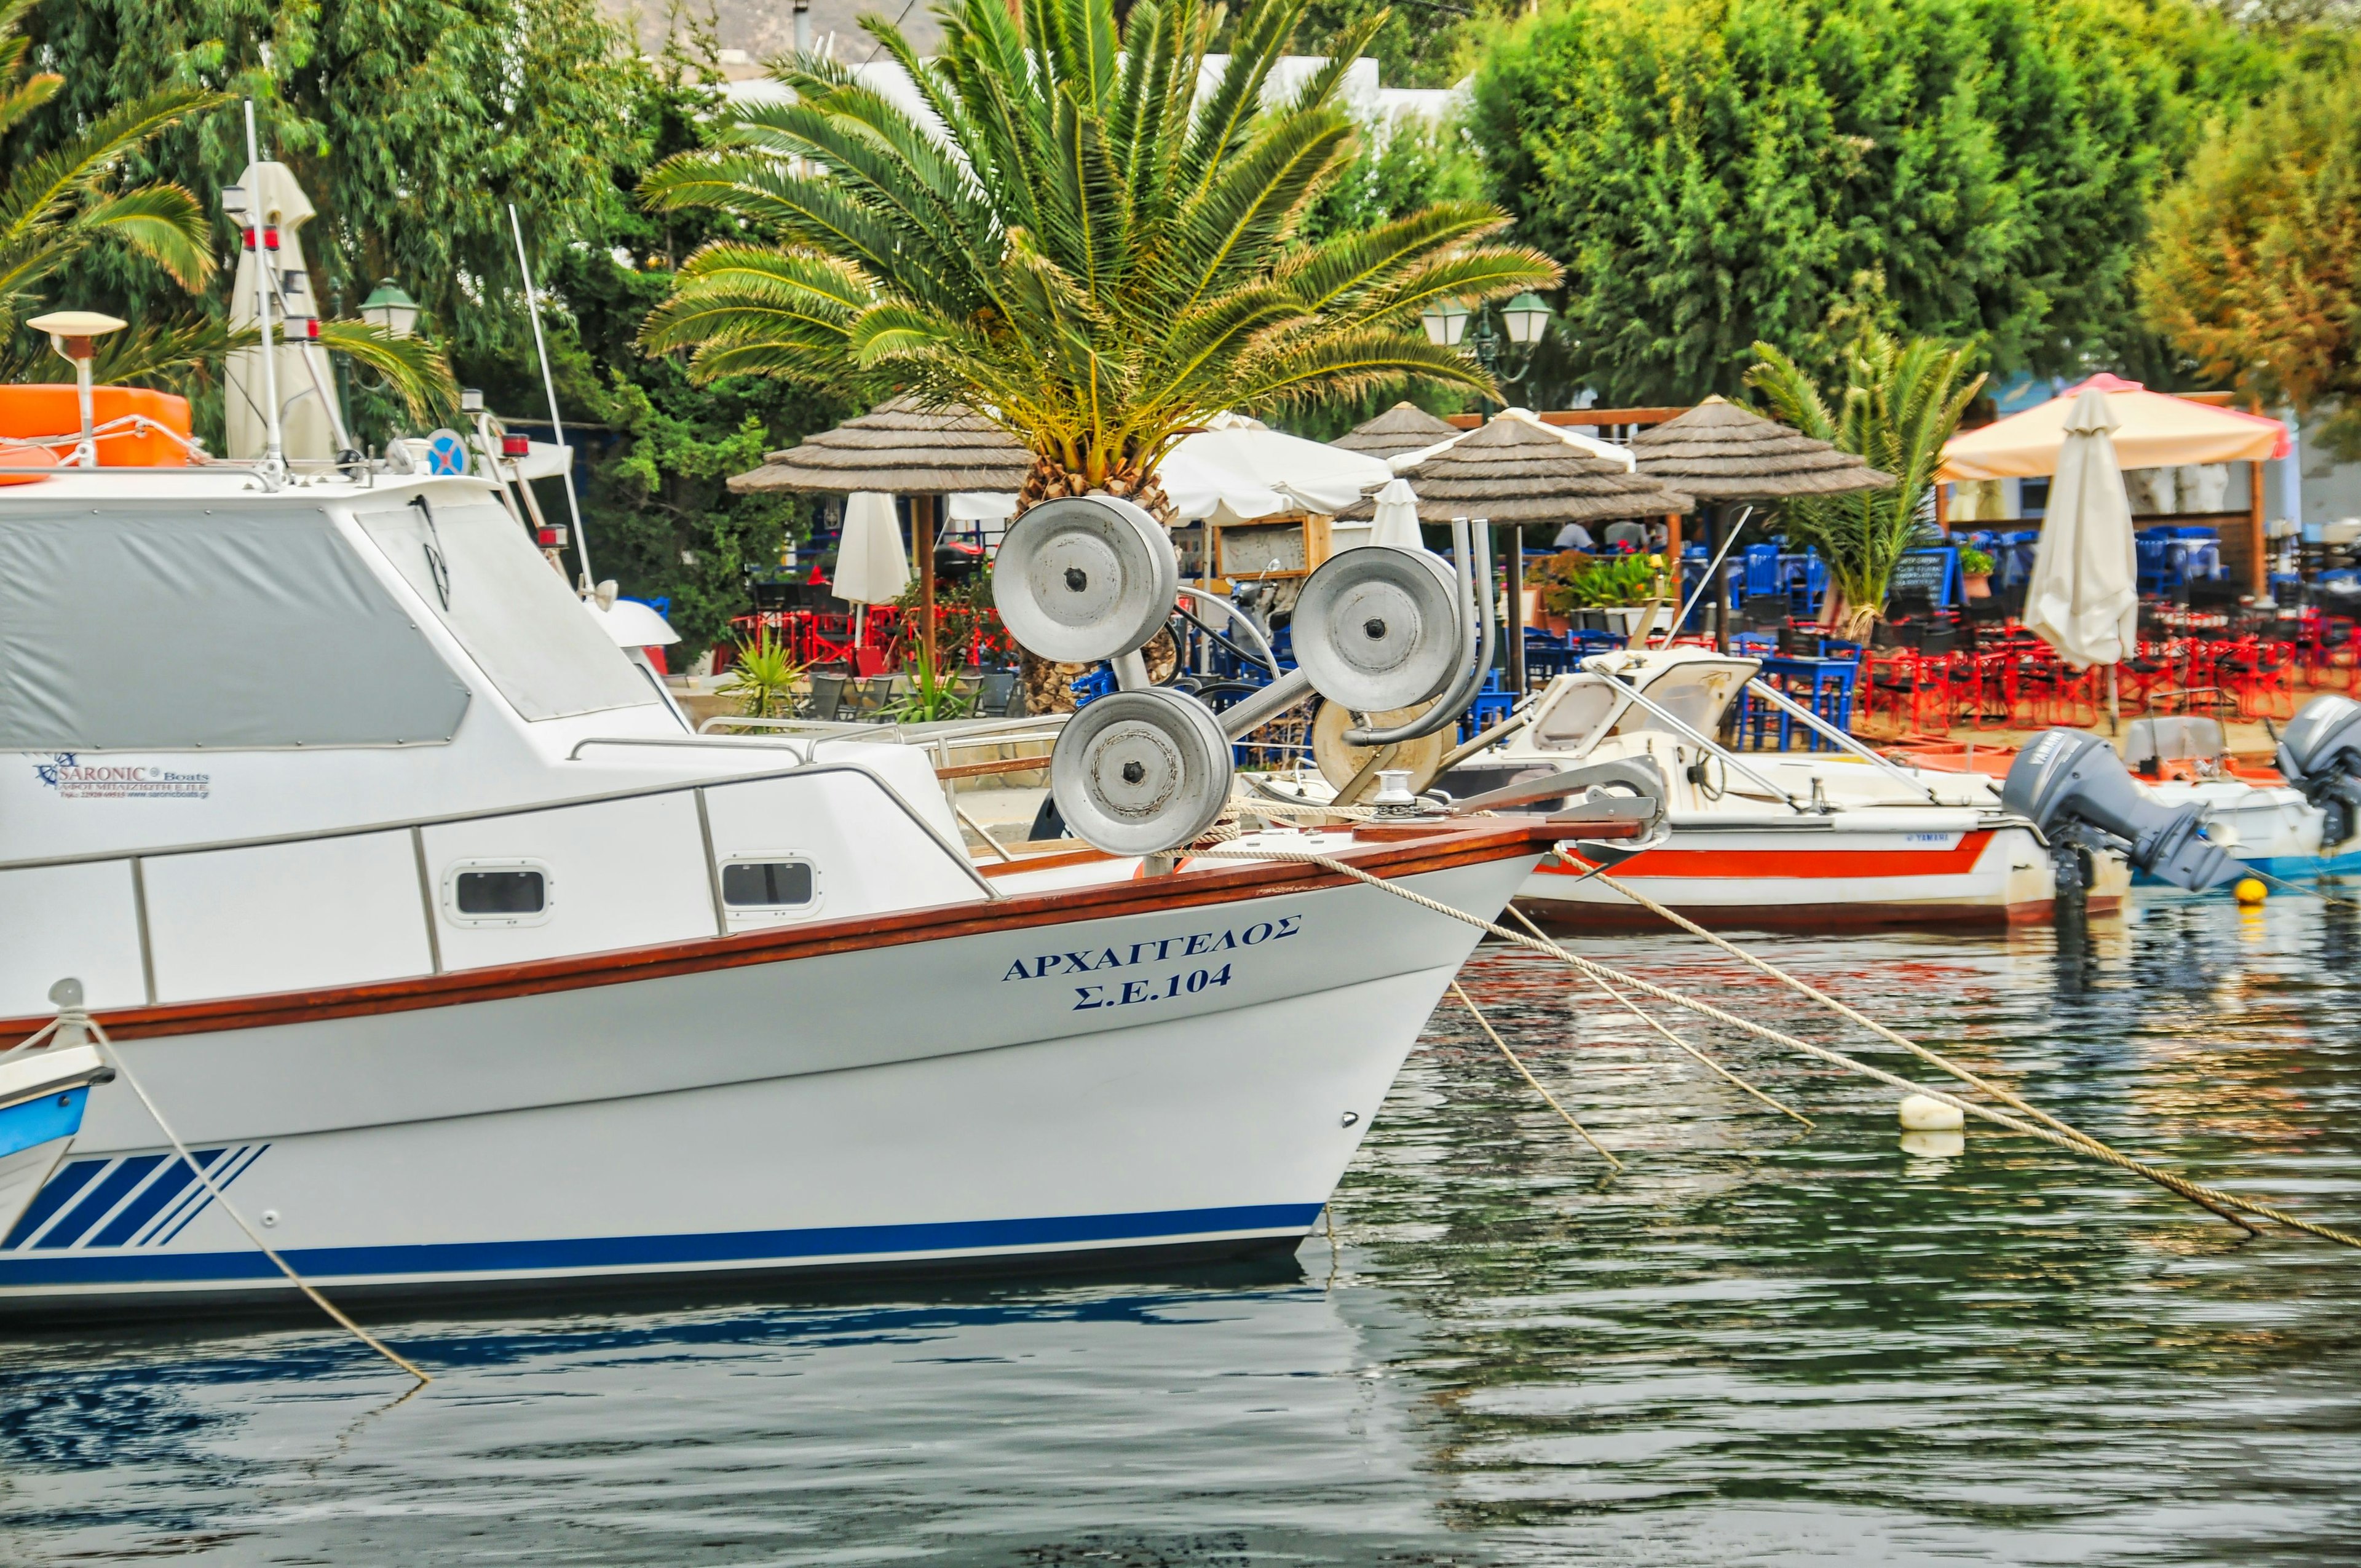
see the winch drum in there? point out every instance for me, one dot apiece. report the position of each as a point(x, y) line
point(1083, 579)
point(1377, 629)
point(1139, 771)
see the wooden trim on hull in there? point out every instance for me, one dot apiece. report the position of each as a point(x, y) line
point(1442, 848)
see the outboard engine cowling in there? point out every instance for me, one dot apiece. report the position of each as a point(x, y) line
point(2320, 753)
point(2078, 792)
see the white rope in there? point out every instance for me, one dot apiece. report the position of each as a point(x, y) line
point(1486, 1025)
point(2212, 1197)
point(123, 1070)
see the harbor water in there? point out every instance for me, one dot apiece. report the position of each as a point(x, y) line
point(1757, 1344)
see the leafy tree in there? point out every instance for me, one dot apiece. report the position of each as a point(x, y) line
point(1099, 251)
point(2256, 269)
point(1899, 402)
point(411, 123)
point(1716, 172)
point(660, 517)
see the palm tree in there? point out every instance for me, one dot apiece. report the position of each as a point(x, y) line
point(55, 206)
point(1094, 241)
point(1900, 403)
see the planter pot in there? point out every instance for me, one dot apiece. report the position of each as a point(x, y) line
point(1590, 621)
point(1554, 623)
point(1976, 586)
point(1623, 618)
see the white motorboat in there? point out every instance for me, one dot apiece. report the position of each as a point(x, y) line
point(2265, 822)
point(459, 962)
point(1841, 836)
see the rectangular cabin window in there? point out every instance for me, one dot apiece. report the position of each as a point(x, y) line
point(502, 893)
point(497, 893)
point(766, 884)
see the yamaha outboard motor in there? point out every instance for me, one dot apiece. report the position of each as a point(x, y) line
point(2077, 791)
point(2321, 754)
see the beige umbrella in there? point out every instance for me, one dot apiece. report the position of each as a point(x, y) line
point(900, 448)
point(1720, 452)
point(311, 424)
point(1405, 427)
point(2083, 596)
point(1514, 472)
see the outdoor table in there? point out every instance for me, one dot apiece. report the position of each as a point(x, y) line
point(1823, 685)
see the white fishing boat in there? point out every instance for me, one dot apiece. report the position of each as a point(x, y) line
point(457, 961)
point(1834, 837)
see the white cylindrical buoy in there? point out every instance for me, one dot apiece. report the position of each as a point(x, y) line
point(1921, 1114)
point(1934, 1145)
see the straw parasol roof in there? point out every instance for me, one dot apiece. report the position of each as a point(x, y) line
point(1513, 471)
point(1405, 427)
point(1718, 452)
point(899, 448)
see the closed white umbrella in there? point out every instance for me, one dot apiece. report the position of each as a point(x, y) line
point(1396, 519)
point(309, 424)
point(2083, 596)
point(870, 566)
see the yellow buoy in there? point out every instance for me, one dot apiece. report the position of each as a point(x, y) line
point(2250, 890)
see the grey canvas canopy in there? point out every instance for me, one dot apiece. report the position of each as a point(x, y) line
point(168, 627)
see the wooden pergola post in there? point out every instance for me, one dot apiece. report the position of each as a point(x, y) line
point(922, 536)
point(2258, 568)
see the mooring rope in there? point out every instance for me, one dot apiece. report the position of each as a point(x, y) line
point(72, 1018)
point(1486, 1025)
point(2204, 1196)
point(1626, 1004)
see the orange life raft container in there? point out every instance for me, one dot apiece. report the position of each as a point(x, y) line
point(48, 415)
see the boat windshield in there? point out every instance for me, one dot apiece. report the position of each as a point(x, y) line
point(1576, 713)
point(483, 579)
point(1694, 692)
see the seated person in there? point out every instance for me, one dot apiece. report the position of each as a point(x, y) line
point(1573, 536)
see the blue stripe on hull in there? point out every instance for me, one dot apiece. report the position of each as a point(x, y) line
point(608, 1253)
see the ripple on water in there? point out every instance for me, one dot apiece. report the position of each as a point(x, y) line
point(1757, 1344)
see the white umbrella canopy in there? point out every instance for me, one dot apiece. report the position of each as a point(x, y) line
point(1396, 519)
point(306, 380)
point(1252, 473)
point(870, 567)
point(2083, 596)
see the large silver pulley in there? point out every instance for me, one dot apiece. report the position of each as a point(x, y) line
point(1139, 772)
point(1376, 628)
point(1083, 579)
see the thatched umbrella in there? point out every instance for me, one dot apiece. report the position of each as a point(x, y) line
point(901, 447)
point(1720, 452)
point(1405, 427)
point(1514, 472)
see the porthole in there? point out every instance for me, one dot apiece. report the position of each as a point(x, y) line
point(498, 893)
point(770, 884)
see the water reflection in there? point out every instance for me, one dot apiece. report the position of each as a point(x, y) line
point(1757, 1343)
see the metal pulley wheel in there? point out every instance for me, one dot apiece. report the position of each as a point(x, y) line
point(1376, 628)
point(1135, 773)
point(1339, 759)
point(1083, 579)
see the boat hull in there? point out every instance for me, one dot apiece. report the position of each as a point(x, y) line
point(1821, 876)
point(1188, 1070)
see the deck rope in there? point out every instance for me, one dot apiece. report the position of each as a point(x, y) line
point(123, 1070)
point(1628, 1005)
point(1486, 1025)
point(2206, 1197)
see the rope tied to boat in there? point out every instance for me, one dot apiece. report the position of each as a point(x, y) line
point(73, 1025)
point(2047, 1129)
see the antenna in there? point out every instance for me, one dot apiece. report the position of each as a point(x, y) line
point(549, 385)
point(274, 446)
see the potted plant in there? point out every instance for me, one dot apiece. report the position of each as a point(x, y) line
point(763, 678)
point(1611, 591)
point(1550, 582)
point(1975, 573)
